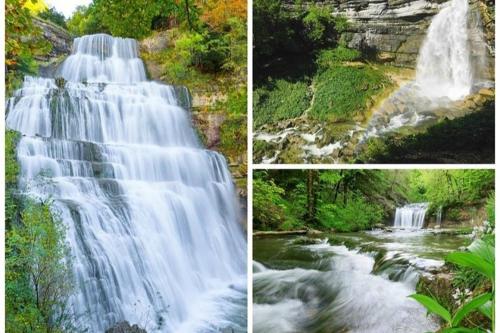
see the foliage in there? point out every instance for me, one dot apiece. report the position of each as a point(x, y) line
point(282, 33)
point(23, 42)
point(268, 205)
point(37, 273)
point(279, 100)
point(448, 188)
point(86, 20)
point(329, 57)
point(118, 16)
point(344, 200)
point(344, 91)
point(319, 26)
point(132, 19)
point(218, 14)
point(37, 265)
point(52, 15)
point(233, 135)
point(357, 214)
point(35, 6)
point(490, 208)
point(481, 259)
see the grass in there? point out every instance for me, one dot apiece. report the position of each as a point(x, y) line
point(344, 91)
point(280, 100)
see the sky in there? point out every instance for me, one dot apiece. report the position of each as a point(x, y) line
point(66, 6)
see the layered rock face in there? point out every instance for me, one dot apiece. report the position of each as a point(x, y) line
point(393, 30)
point(61, 42)
point(59, 38)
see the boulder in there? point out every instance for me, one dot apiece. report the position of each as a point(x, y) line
point(125, 327)
point(155, 43)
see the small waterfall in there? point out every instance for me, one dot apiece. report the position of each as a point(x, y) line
point(438, 215)
point(411, 216)
point(152, 217)
point(444, 67)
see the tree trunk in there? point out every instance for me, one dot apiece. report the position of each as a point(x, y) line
point(311, 197)
point(188, 15)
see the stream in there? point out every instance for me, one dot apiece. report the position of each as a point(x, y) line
point(354, 282)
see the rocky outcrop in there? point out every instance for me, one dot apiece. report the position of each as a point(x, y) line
point(61, 42)
point(60, 39)
point(125, 327)
point(392, 31)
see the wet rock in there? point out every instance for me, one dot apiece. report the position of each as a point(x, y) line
point(125, 327)
point(155, 43)
point(60, 82)
point(487, 92)
point(313, 232)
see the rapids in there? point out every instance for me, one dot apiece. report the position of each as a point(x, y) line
point(356, 283)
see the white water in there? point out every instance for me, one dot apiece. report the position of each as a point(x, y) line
point(444, 67)
point(451, 65)
point(439, 215)
point(343, 296)
point(152, 217)
point(411, 216)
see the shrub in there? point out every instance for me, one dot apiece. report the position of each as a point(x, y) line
point(268, 205)
point(341, 92)
point(357, 214)
point(329, 57)
point(280, 100)
point(53, 16)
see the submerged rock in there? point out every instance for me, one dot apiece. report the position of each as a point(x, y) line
point(125, 327)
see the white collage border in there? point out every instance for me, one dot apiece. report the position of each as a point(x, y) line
point(251, 166)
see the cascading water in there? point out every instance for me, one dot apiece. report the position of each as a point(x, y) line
point(411, 216)
point(323, 287)
point(451, 65)
point(439, 215)
point(151, 215)
point(444, 67)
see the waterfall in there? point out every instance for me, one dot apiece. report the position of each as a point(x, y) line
point(411, 216)
point(444, 68)
point(152, 216)
point(439, 215)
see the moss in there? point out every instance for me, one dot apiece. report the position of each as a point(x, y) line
point(280, 100)
point(342, 92)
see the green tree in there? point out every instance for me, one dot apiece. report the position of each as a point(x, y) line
point(38, 275)
point(51, 14)
point(23, 42)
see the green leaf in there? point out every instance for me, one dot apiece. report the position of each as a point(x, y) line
point(465, 309)
point(473, 261)
point(482, 249)
point(462, 330)
point(433, 306)
point(487, 310)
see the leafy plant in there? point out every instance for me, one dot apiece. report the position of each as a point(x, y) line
point(342, 92)
point(329, 57)
point(280, 100)
point(480, 258)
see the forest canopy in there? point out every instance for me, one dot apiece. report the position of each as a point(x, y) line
point(352, 200)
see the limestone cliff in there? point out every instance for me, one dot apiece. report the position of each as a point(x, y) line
point(61, 42)
point(393, 30)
